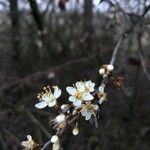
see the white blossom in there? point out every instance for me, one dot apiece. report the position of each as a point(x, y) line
point(29, 144)
point(89, 86)
point(88, 110)
point(47, 98)
point(81, 92)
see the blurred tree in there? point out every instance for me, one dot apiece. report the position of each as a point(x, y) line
point(87, 24)
point(15, 27)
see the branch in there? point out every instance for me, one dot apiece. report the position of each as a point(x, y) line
point(113, 58)
point(146, 9)
point(36, 14)
point(18, 83)
point(46, 145)
point(141, 56)
point(60, 132)
point(116, 49)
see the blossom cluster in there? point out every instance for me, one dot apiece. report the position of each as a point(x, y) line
point(84, 99)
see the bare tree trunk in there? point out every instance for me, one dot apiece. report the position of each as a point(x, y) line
point(40, 25)
point(36, 15)
point(16, 38)
point(87, 25)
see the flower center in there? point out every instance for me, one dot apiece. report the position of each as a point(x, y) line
point(78, 95)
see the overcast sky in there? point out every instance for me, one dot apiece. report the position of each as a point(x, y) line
point(129, 6)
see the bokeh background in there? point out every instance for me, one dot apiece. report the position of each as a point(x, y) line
point(58, 42)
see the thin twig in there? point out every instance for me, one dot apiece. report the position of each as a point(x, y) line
point(46, 144)
point(116, 49)
point(143, 64)
point(61, 131)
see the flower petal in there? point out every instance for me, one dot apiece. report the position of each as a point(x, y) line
point(90, 85)
point(83, 112)
point(77, 103)
point(95, 107)
point(88, 97)
point(29, 137)
point(71, 90)
point(72, 98)
point(57, 92)
point(80, 86)
point(47, 98)
point(24, 143)
point(41, 105)
point(88, 116)
point(101, 88)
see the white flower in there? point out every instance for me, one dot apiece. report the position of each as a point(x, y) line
point(60, 118)
point(47, 98)
point(29, 144)
point(54, 139)
point(110, 67)
point(81, 92)
point(89, 86)
point(88, 110)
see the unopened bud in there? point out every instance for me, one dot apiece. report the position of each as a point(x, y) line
point(75, 131)
point(105, 76)
point(54, 139)
point(56, 146)
point(65, 107)
point(60, 118)
point(102, 71)
point(110, 67)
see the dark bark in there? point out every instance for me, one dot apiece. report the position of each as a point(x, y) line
point(87, 25)
point(15, 26)
point(36, 15)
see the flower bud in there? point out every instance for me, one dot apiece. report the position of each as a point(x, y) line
point(56, 146)
point(65, 108)
point(105, 76)
point(110, 67)
point(102, 71)
point(54, 139)
point(75, 131)
point(60, 118)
